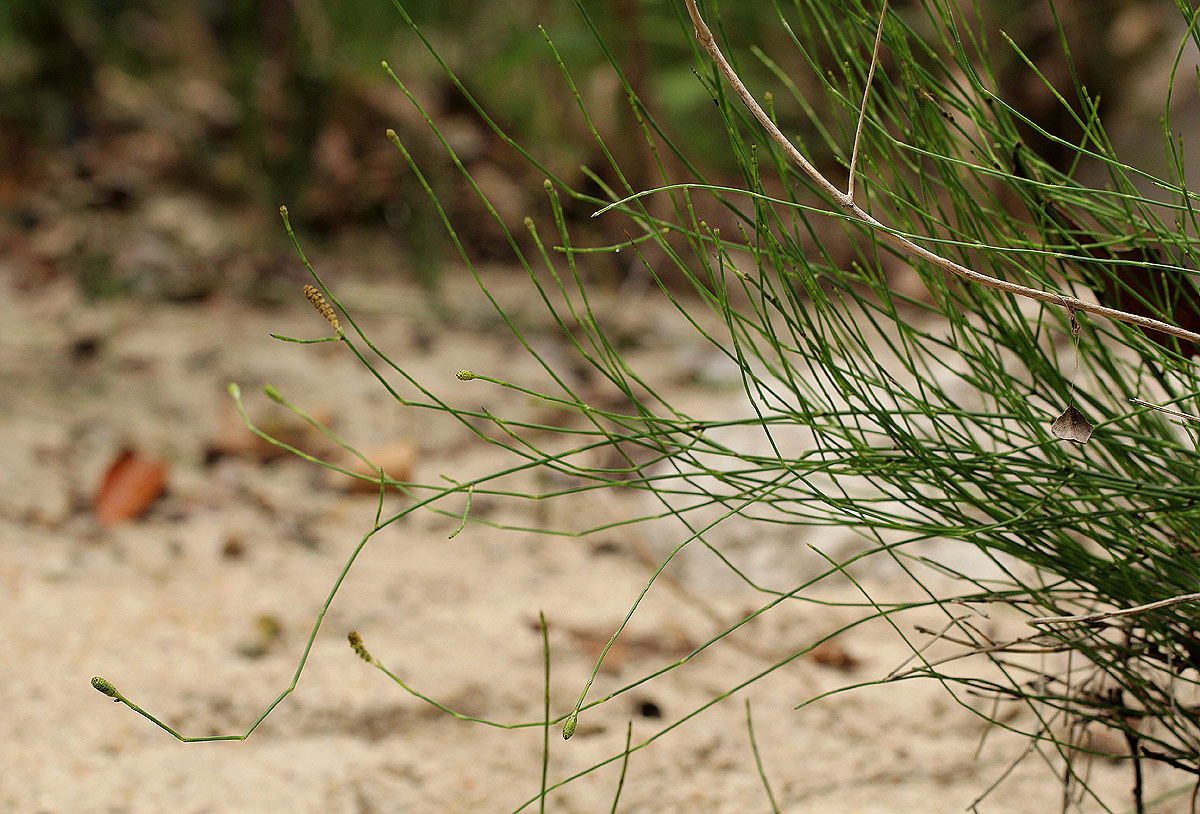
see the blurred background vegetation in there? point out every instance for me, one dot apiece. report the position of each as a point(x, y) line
point(146, 144)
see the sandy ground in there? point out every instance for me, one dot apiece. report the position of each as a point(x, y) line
point(200, 610)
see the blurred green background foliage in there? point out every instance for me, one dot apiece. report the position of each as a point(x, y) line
point(111, 106)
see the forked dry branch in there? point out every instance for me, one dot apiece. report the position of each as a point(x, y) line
point(845, 200)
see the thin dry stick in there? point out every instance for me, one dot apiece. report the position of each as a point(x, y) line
point(1000, 647)
point(846, 201)
point(1011, 767)
point(1072, 724)
point(986, 730)
point(916, 653)
point(1088, 618)
point(1166, 410)
point(862, 112)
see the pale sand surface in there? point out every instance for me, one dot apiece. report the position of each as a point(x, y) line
point(163, 609)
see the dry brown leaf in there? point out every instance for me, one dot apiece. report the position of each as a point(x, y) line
point(396, 459)
point(236, 439)
point(629, 646)
point(833, 654)
point(1072, 426)
point(131, 484)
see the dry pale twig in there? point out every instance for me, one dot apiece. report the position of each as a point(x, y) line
point(1166, 410)
point(1027, 645)
point(954, 620)
point(1088, 618)
point(845, 200)
point(862, 112)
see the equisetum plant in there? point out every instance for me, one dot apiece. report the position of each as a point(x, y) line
point(1025, 405)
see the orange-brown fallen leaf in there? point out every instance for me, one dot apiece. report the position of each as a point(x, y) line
point(396, 459)
point(131, 484)
point(834, 654)
point(235, 438)
point(629, 646)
